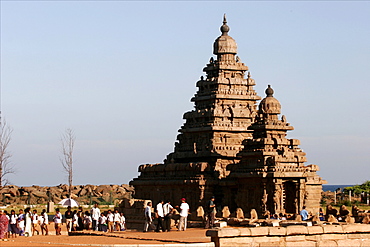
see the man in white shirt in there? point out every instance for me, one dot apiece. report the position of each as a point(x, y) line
point(160, 214)
point(58, 221)
point(148, 216)
point(117, 220)
point(110, 219)
point(95, 214)
point(184, 211)
point(167, 211)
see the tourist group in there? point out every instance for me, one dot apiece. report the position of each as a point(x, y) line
point(28, 223)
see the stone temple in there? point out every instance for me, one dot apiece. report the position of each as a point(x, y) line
point(233, 148)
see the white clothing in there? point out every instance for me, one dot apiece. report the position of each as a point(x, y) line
point(122, 222)
point(159, 209)
point(87, 219)
point(75, 220)
point(110, 217)
point(167, 208)
point(35, 219)
point(148, 212)
point(184, 207)
point(95, 213)
point(103, 220)
point(58, 218)
point(117, 217)
point(45, 218)
point(21, 221)
point(123, 219)
point(28, 226)
point(13, 219)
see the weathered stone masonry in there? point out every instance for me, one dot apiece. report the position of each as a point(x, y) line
point(229, 148)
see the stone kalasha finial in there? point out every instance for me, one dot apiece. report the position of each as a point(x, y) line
point(269, 105)
point(269, 91)
point(224, 28)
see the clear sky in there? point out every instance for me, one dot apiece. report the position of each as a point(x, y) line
point(121, 75)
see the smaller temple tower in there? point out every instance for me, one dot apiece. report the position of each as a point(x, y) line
point(272, 175)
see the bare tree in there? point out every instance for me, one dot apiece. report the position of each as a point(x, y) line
point(5, 155)
point(68, 142)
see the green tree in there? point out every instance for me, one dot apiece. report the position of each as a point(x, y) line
point(358, 189)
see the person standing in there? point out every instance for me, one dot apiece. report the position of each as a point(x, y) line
point(69, 218)
point(13, 219)
point(148, 216)
point(110, 219)
point(117, 220)
point(44, 221)
point(21, 222)
point(304, 213)
point(95, 215)
point(184, 212)
point(167, 211)
point(160, 214)
point(122, 222)
point(87, 220)
point(102, 223)
point(58, 222)
point(35, 222)
point(27, 222)
point(210, 213)
point(4, 221)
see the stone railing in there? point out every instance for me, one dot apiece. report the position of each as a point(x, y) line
point(298, 235)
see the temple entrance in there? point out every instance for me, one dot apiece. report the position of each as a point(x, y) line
point(289, 197)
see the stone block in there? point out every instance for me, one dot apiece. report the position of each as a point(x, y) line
point(358, 236)
point(259, 231)
point(236, 242)
point(277, 231)
point(315, 238)
point(212, 233)
point(333, 229)
point(315, 230)
point(272, 243)
point(365, 227)
point(349, 242)
point(301, 244)
point(228, 232)
point(333, 237)
point(295, 238)
point(296, 230)
point(353, 228)
point(262, 239)
point(245, 231)
point(365, 243)
point(221, 224)
point(328, 243)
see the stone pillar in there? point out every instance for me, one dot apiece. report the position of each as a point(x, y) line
point(50, 207)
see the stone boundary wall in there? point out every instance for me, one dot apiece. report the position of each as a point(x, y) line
point(293, 236)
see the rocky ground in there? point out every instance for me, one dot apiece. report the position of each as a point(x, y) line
point(86, 194)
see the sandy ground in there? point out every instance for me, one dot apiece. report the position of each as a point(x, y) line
point(136, 238)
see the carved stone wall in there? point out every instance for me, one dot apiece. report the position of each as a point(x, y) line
point(229, 149)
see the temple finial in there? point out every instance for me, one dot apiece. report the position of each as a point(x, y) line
point(269, 91)
point(224, 28)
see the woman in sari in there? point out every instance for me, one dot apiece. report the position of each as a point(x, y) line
point(4, 221)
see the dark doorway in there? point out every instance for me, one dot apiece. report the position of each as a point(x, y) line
point(290, 197)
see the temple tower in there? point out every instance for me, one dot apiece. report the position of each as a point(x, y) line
point(272, 175)
point(229, 149)
point(212, 135)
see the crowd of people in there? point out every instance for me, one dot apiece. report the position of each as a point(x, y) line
point(28, 223)
point(163, 213)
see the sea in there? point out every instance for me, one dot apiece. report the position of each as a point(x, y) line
point(332, 188)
